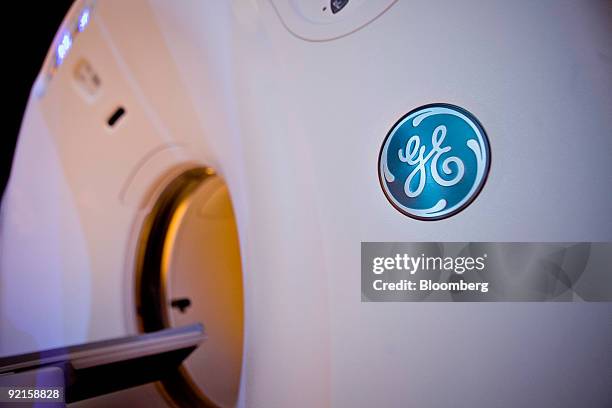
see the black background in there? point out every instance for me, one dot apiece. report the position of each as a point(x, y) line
point(28, 33)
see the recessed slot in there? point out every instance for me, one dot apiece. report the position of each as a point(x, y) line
point(114, 118)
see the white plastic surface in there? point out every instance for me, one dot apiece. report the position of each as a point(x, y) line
point(295, 128)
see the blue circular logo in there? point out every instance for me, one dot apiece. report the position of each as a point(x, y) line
point(434, 161)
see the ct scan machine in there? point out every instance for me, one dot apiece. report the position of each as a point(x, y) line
point(206, 171)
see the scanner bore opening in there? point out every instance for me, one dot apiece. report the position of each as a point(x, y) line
point(189, 270)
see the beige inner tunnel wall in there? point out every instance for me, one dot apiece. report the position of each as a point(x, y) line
point(201, 262)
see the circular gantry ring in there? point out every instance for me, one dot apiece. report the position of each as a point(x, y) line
point(188, 270)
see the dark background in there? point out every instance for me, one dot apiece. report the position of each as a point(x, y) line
point(32, 26)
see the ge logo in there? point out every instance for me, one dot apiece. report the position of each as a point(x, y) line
point(434, 161)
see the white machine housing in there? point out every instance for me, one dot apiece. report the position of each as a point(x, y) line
point(290, 108)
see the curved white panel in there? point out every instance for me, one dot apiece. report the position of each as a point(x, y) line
point(295, 128)
point(316, 20)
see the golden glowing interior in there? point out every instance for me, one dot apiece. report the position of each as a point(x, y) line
point(201, 262)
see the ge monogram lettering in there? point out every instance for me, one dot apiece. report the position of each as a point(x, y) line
point(434, 161)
